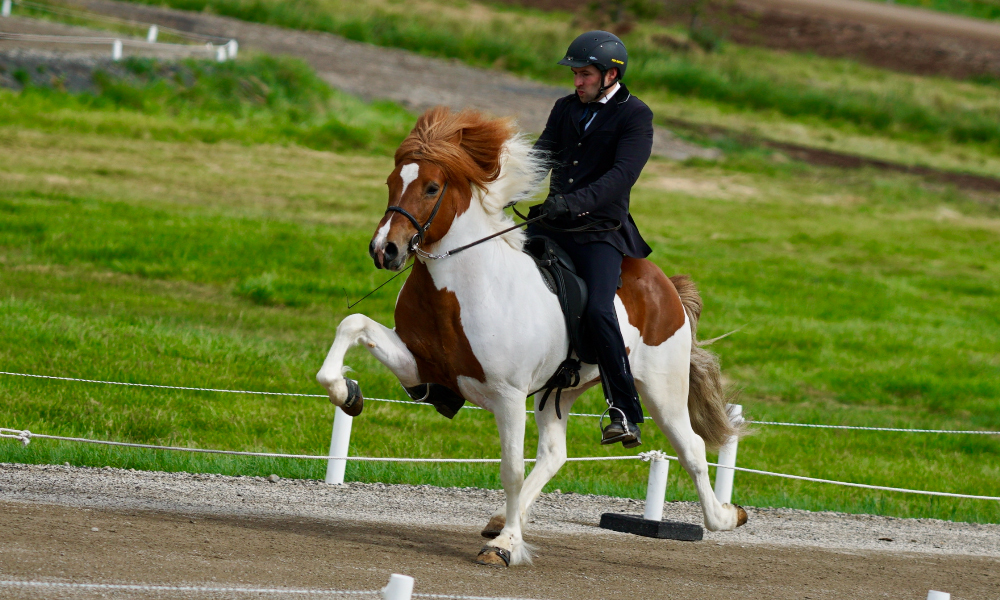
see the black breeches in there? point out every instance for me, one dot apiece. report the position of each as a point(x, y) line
point(600, 266)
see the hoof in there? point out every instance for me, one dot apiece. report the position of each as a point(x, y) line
point(741, 516)
point(493, 557)
point(494, 527)
point(355, 402)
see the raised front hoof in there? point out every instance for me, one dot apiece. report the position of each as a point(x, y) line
point(494, 527)
point(355, 402)
point(493, 557)
point(741, 516)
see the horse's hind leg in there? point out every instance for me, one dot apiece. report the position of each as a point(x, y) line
point(662, 380)
point(382, 342)
point(551, 457)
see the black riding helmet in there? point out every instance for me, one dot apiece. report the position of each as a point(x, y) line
point(599, 48)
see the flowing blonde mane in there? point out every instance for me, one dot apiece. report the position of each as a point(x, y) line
point(489, 153)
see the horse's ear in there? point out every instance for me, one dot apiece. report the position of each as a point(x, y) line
point(457, 138)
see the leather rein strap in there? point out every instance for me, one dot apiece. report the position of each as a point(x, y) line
point(418, 237)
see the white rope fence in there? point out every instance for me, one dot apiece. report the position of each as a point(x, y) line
point(224, 49)
point(227, 391)
point(25, 437)
point(400, 587)
point(82, 14)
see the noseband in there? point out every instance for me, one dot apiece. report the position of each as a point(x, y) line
point(418, 237)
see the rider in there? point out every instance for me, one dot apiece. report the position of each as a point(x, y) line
point(598, 141)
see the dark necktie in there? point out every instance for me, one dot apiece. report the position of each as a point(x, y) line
point(588, 114)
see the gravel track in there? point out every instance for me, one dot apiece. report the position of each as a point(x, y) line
point(196, 529)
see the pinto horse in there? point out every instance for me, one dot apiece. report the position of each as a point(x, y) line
point(483, 323)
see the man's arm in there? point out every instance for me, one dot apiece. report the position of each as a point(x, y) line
point(633, 151)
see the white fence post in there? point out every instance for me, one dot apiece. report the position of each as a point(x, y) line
point(116, 50)
point(151, 36)
point(220, 54)
point(400, 587)
point(5, 11)
point(656, 489)
point(340, 441)
point(936, 595)
point(232, 47)
point(727, 457)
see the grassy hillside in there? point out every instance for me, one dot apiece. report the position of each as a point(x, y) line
point(258, 99)
point(829, 103)
point(865, 298)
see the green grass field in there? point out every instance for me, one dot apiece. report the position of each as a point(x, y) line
point(224, 261)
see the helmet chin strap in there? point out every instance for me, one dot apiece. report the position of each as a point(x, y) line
point(604, 74)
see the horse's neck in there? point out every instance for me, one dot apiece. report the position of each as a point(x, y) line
point(487, 265)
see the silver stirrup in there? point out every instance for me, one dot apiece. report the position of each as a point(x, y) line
point(600, 424)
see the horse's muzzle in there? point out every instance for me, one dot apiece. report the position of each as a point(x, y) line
point(387, 257)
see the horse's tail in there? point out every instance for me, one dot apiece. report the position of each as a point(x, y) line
point(707, 397)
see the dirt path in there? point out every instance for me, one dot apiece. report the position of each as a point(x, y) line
point(917, 20)
point(182, 529)
point(56, 543)
point(371, 72)
point(887, 35)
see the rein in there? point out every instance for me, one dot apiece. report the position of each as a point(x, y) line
point(418, 237)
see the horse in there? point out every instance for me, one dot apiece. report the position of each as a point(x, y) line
point(483, 323)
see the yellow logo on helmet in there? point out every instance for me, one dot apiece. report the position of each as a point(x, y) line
point(615, 60)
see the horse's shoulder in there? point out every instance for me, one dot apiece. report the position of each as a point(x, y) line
point(428, 321)
point(651, 300)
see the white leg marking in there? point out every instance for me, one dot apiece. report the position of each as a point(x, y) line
point(382, 342)
point(510, 419)
point(551, 446)
point(662, 380)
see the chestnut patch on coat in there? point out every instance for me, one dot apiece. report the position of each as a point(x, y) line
point(653, 305)
point(428, 320)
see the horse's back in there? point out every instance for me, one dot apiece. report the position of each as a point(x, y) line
point(652, 300)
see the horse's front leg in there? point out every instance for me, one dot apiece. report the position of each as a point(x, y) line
point(384, 345)
point(551, 457)
point(509, 548)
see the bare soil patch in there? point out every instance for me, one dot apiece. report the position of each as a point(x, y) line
point(900, 38)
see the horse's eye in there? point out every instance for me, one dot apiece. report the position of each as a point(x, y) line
point(432, 189)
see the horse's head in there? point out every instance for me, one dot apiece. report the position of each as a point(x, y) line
point(422, 206)
point(437, 166)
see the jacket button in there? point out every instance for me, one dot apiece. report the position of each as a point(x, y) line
point(571, 180)
point(576, 162)
point(578, 144)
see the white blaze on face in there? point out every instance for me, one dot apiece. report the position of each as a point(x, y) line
point(408, 174)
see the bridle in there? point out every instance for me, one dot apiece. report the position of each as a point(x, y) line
point(418, 237)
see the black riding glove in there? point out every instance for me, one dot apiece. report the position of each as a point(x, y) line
point(556, 207)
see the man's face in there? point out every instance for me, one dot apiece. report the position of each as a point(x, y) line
point(587, 81)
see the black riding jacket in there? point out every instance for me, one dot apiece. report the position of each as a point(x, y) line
point(596, 169)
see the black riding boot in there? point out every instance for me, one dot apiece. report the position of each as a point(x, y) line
point(624, 408)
